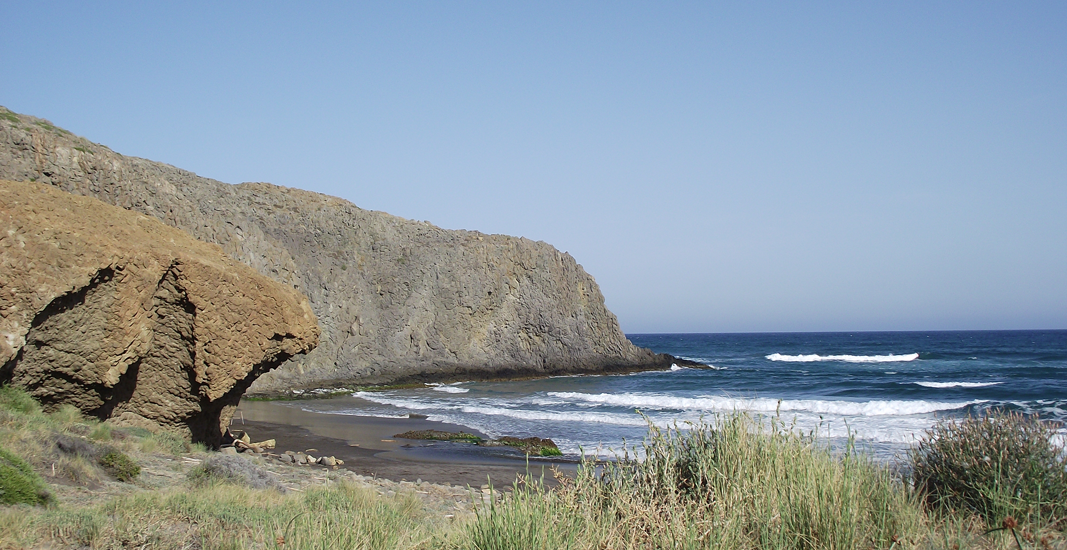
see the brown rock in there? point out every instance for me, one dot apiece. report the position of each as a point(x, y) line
point(122, 316)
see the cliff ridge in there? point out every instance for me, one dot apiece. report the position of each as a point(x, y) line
point(397, 300)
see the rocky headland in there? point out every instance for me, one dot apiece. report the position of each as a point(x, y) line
point(397, 300)
point(131, 320)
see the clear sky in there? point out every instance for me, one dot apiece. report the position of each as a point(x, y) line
point(717, 167)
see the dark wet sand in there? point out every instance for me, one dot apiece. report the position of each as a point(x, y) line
point(368, 446)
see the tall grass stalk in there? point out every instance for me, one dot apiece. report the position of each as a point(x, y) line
point(737, 483)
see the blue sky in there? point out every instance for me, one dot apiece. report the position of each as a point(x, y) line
point(716, 166)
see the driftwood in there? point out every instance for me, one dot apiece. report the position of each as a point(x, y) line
point(243, 445)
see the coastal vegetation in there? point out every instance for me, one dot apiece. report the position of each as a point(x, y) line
point(732, 482)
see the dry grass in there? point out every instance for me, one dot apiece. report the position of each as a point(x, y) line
point(735, 483)
point(232, 516)
point(738, 483)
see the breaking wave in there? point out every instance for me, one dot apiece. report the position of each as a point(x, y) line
point(956, 384)
point(448, 388)
point(845, 358)
point(728, 404)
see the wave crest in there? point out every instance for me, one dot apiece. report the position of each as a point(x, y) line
point(447, 388)
point(845, 358)
point(729, 404)
point(956, 384)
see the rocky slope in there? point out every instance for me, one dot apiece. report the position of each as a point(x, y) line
point(127, 318)
point(397, 300)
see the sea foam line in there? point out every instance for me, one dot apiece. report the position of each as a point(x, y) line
point(488, 409)
point(956, 384)
point(845, 358)
point(727, 404)
point(448, 388)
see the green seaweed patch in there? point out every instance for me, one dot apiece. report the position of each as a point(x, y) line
point(551, 451)
point(530, 445)
point(439, 435)
point(19, 484)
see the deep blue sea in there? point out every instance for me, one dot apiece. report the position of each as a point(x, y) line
point(885, 388)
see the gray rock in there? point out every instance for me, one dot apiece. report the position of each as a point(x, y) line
point(328, 461)
point(397, 300)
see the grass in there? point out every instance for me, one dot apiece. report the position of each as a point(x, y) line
point(232, 516)
point(734, 482)
point(745, 483)
point(737, 484)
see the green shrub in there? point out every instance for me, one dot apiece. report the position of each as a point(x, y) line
point(999, 465)
point(119, 466)
point(19, 484)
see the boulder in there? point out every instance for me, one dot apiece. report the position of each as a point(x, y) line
point(123, 316)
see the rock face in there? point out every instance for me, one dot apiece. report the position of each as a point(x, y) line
point(397, 300)
point(122, 316)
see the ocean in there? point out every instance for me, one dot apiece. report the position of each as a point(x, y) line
point(883, 388)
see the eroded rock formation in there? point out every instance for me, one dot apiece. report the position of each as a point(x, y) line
point(120, 315)
point(398, 300)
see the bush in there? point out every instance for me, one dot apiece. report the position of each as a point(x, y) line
point(999, 465)
point(119, 466)
point(234, 469)
point(19, 484)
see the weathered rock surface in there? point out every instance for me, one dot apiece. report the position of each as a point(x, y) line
point(397, 300)
point(123, 316)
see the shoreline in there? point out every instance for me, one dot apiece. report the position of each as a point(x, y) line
point(368, 446)
point(332, 388)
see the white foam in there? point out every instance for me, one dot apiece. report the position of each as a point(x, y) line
point(448, 388)
point(727, 404)
point(499, 408)
point(956, 384)
point(845, 358)
point(675, 367)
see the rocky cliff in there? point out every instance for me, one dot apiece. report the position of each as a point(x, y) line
point(397, 300)
point(124, 317)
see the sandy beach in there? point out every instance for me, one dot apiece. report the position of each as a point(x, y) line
point(369, 447)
